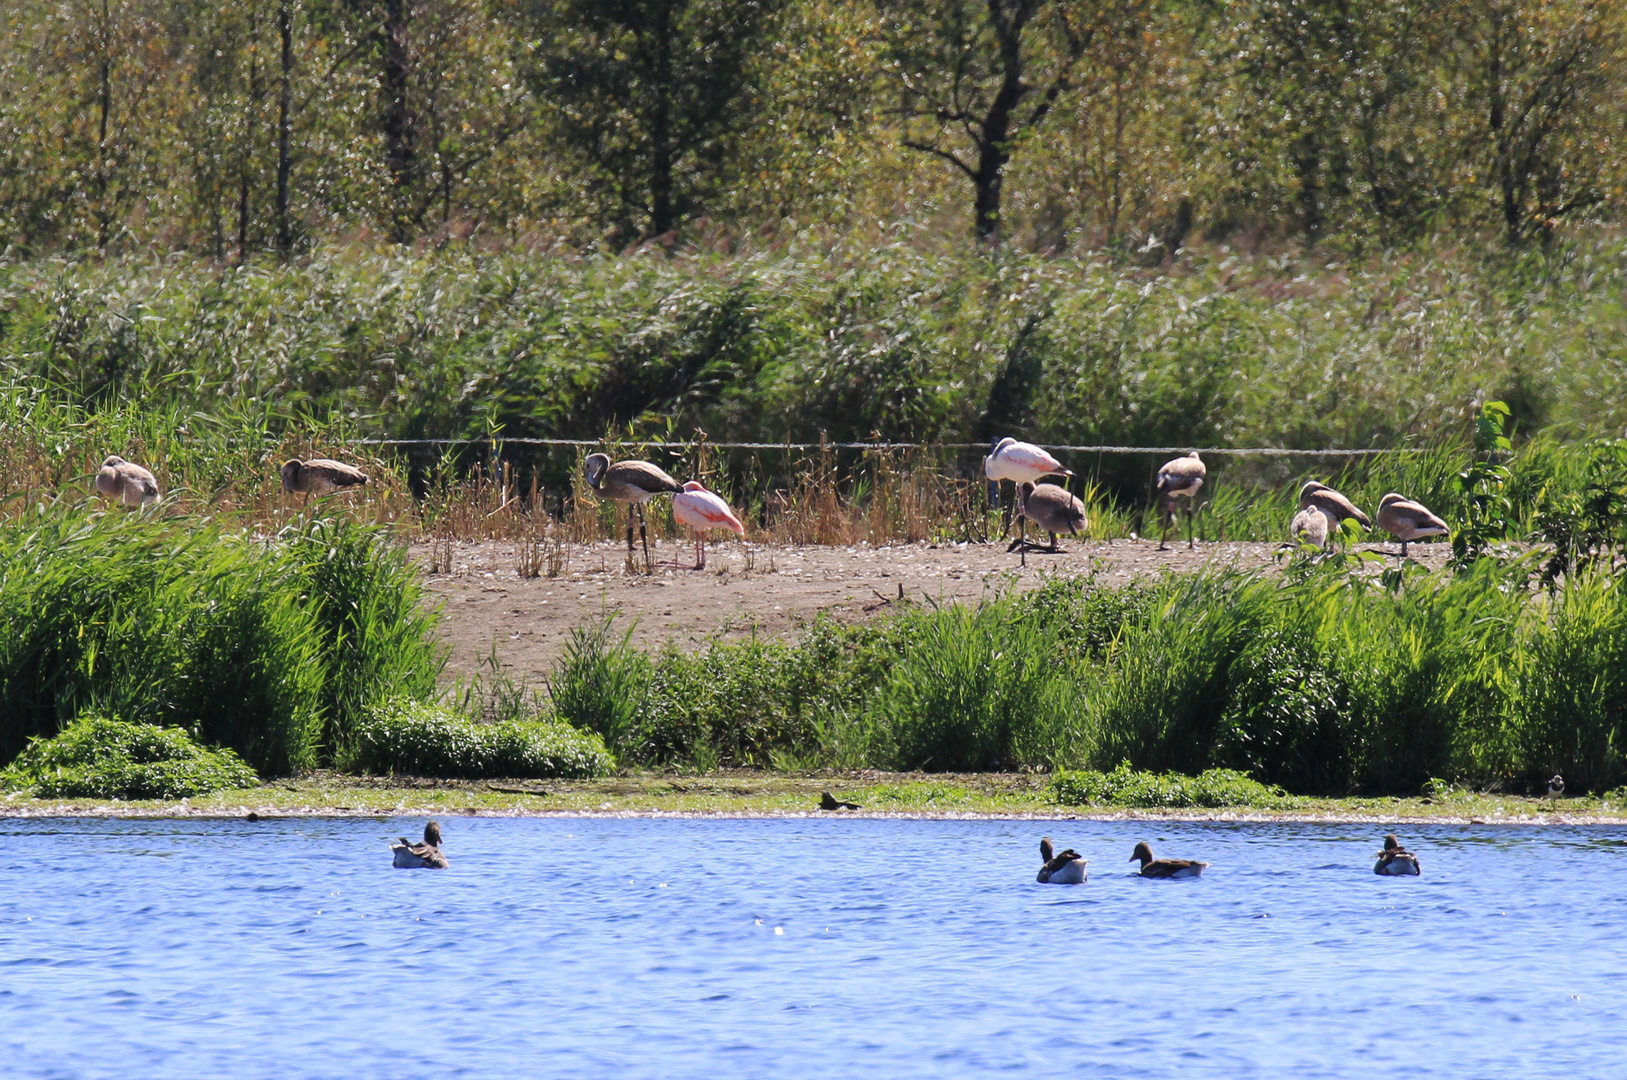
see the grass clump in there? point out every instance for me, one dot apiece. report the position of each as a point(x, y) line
point(422, 739)
point(100, 757)
point(271, 646)
point(1127, 787)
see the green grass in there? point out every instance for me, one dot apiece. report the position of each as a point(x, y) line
point(98, 757)
point(212, 377)
point(1125, 787)
point(1325, 680)
point(272, 646)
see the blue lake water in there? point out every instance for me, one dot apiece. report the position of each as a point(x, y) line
point(803, 948)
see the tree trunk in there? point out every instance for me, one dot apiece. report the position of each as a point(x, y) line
point(285, 27)
point(399, 151)
point(245, 158)
point(663, 212)
point(994, 133)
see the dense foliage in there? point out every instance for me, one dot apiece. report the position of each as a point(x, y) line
point(270, 124)
point(98, 757)
point(1323, 681)
point(416, 738)
point(271, 646)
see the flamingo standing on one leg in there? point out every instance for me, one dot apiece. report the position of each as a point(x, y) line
point(1021, 463)
point(702, 511)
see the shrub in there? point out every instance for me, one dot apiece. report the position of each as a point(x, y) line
point(98, 757)
point(976, 688)
point(258, 645)
point(421, 739)
point(1285, 717)
point(1127, 787)
point(599, 684)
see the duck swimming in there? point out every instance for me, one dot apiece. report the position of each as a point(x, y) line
point(410, 856)
point(1395, 860)
point(1166, 868)
point(1064, 869)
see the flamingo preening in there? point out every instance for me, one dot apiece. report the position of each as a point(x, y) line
point(703, 511)
point(126, 481)
point(1052, 508)
point(631, 482)
point(1179, 478)
point(1021, 463)
point(320, 476)
point(1331, 505)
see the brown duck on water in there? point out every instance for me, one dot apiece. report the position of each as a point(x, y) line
point(1165, 868)
point(1066, 868)
point(631, 482)
point(1395, 860)
point(411, 856)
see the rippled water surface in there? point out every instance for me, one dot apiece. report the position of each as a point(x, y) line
point(804, 948)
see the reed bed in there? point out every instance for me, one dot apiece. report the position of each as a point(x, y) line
point(271, 644)
point(227, 465)
point(1320, 681)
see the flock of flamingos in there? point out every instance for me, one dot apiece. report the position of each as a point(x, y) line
point(1051, 508)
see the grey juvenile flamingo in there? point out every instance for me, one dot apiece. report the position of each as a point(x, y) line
point(631, 482)
point(126, 481)
point(1179, 478)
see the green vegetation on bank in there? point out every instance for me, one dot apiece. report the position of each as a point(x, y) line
point(1323, 681)
point(415, 738)
point(273, 646)
point(209, 377)
point(97, 757)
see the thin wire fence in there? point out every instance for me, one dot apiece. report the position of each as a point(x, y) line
point(662, 444)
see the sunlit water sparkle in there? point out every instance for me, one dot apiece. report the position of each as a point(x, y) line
point(290, 949)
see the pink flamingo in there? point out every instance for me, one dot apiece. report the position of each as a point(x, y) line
point(1022, 463)
point(702, 511)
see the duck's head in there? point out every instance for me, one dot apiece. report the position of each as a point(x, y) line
point(594, 467)
point(432, 834)
point(1143, 853)
point(112, 460)
point(290, 473)
point(1046, 851)
point(1390, 842)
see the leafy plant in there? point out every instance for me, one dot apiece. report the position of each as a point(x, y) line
point(422, 739)
point(101, 757)
point(1486, 508)
point(1127, 787)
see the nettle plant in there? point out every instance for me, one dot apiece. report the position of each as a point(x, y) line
point(1487, 510)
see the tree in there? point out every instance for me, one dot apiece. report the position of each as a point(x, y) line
point(1548, 76)
point(1347, 90)
point(649, 94)
point(982, 74)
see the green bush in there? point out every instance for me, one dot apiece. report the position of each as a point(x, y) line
point(975, 688)
point(98, 757)
point(421, 739)
point(1127, 787)
point(1286, 715)
point(272, 647)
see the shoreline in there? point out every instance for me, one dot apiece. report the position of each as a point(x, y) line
point(747, 795)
